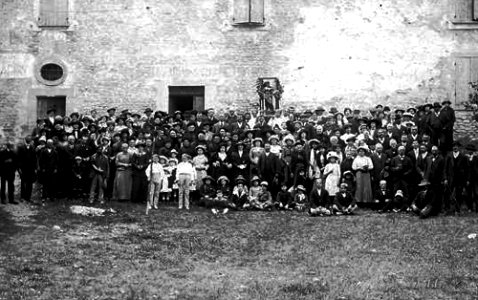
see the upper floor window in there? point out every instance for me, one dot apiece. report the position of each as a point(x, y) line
point(53, 13)
point(249, 12)
point(465, 11)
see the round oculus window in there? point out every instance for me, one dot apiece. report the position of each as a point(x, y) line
point(51, 72)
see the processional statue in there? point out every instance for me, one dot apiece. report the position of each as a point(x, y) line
point(270, 93)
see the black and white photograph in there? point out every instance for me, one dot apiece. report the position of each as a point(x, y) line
point(238, 149)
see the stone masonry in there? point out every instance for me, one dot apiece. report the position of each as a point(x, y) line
point(127, 53)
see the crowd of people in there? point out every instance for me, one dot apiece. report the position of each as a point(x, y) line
point(316, 161)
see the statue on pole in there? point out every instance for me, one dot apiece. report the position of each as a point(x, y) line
point(270, 93)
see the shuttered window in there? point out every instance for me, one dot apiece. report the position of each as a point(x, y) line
point(53, 13)
point(465, 10)
point(466, 71)
point(249, 12)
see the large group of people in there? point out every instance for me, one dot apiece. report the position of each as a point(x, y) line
point(322, 162)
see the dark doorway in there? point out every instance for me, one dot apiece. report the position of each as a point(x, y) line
point(45, 103)
point(186, 98)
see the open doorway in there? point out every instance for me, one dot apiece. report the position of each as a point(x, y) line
point(186, 98)
point(45, 103)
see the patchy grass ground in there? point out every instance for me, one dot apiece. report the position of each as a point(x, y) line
point(171, 254)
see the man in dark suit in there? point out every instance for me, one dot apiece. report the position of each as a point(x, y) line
point(436, 177)
point(456, 168)
point(50, 119)
point(472, 175)
point(269, 167)
point(8, 167)
point(415, 177)
point(379, 160)
point(27, 166)
point(221, 124)
point(447, 119)
point(241, 162)
point(48, 167)
point(435, 124)
point(401, 168)
point(239, 126)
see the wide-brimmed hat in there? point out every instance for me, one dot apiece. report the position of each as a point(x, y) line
point(446, 102)
point(399, 110)
point(201, 147)
point(148, 110)
point(53, 110)
point(363, 147)
point(162, 157)
point(240, 178)
point(300, 187)
point(222, 178)
point(332, 154)
point(399, 193)
point(264, 183)
point(78, 158)
point(424, 182)
point(313, 141)
point(207, 177)
point(436, 105)
point(257, 139)
point(407, 114)
point(273, 137)
point(255, 178)
point(185, 155)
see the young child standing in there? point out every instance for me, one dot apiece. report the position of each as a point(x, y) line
point(155, 175)
point(185, 175)
point(165, 189)
point(173, 187)
point(332, 175)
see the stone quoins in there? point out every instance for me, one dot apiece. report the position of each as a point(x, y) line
point(46, 61)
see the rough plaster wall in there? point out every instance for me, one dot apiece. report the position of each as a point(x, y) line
point(332, 53)
point(363, 52)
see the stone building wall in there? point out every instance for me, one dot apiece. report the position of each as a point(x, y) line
point(127, 53)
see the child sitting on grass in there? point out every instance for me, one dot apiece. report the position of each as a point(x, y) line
point(284, 198)
point(383, 197)
point(264, 201)
point(207, 192)
point(222, 196)
point(320, 204)
point(344, 203)
point(240, 193)
point(300, 199)
point(254, 192)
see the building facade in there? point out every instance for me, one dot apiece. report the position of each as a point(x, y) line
point(76, 55)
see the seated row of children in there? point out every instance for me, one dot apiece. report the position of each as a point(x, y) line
point(258, 197)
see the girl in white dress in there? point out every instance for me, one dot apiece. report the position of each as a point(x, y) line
point(332, 174)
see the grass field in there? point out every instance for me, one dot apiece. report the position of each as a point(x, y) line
point(172, 254)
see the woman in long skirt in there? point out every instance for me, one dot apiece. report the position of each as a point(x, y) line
point(363, 165)
point(123, 180)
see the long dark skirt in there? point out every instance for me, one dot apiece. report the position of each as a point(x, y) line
point(363, 193)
